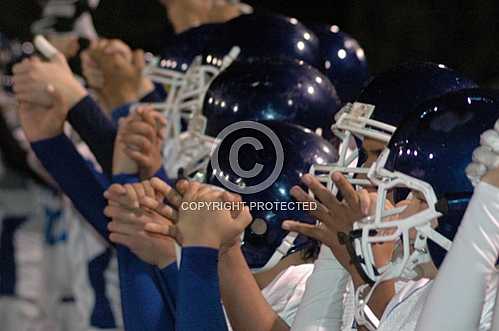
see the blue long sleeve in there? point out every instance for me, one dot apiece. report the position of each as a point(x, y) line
point(119, 112)
point(169, 276)
point(145, 305)
point(142, 302)
point(96, 130)
point(75, 177)
point(155, 95)
point(161, 174)
point(199, 306)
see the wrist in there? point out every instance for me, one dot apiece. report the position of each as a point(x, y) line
point(118, 98)
point(76, 94)
point(122, 164)
point(230, 256)
point(148, 171)
point(48, 133)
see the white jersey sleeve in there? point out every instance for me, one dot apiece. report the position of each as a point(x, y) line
point(458, 295)
point(328, 300)
point(406, 307)
point(403, 310)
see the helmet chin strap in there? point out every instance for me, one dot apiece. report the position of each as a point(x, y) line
point(363, 314)
point(281, 252)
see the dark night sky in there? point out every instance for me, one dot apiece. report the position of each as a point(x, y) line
point(461, 34)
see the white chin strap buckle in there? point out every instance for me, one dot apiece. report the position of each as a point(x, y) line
point(363, 314)
point(281, 251)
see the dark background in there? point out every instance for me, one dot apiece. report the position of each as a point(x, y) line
point(461, 34)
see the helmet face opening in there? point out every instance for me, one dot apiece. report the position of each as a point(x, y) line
point(426, 158)
point(396, 224)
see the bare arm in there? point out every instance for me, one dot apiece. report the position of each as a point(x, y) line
point(243, 300)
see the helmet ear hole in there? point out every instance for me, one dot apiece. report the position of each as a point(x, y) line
point(259, 226)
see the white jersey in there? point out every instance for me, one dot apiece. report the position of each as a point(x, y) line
point(328, 303)
point(285, 292)
point(30, 214)
point(465, 288)
point(95, 282)
point(405, 308)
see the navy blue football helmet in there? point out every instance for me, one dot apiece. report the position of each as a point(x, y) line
point(265, 242)
point(257, 89)
point(395, 93)
point(194, 57)
point(183, 48)
point(342, 60)
point(170, 70)
point(270, 89)
point(384, 102)
point(270, 35)
point(427, 156)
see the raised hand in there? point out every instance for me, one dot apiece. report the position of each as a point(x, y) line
point(338, 215)
point(34, 80)
point(129, 218)
point(143, 137)
point(42, 122)
point(139, 143)
point(205, 221)
point(115, 72)
point(334, 216)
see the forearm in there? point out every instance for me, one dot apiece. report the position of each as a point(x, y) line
point(73, 175)
point(98, 131)
point(243, 300)
point(199, 306)
point(475, 244)
point(322, 306)
point(145, 304)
